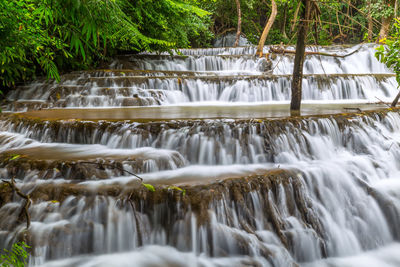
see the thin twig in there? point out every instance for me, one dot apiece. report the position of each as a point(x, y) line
point(225, 31)
point(353, 20)
point(381, 102)
point(112, 166)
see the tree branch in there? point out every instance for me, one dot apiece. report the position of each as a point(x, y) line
point(112, 166)
point(268, 26)
point(27, 198)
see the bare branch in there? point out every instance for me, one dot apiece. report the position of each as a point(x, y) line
point(27, 198)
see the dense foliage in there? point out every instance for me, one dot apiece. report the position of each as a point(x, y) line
point(180, 23)
point(16, 257)
point(339, 22)
point(45, 36)
point(389, 54)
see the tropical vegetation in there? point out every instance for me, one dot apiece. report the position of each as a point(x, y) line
point(48, 37)
point(16, 257)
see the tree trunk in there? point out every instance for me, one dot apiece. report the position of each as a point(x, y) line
point(383, 33)
point(239, 26)
point(316, 33)
point(338, 21)
point(370, 28)
point(299, 57)
point(267, 28)
point(386, 23)
point(296, 13)
point(283, 25)
point(396, 99)
point(370, 22)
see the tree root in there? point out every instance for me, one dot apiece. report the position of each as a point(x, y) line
point(27, 198)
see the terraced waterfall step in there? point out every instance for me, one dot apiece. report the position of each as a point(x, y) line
point(244, 59)
point(266, 167)
point(163, 90)
point(193, 159)
point(152, 80)
point(203, 112)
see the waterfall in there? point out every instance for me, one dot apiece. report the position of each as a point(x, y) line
point(218, 76)
point(317, 190)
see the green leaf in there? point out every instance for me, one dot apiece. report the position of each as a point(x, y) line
point(149, 187)
point(14, 157)
point(173, 187)
point(16, 257)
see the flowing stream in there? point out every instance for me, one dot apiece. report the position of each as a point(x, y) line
point(245, 187)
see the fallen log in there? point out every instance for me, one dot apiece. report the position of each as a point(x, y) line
point(281, 50)
point(356, 109)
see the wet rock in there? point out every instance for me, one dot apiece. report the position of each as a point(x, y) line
point(25, 167)
point(168, 205)
point(28, 105)
point(264, 65)
point(133, 101)
point(138, 101)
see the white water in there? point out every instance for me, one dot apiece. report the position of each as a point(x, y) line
point(331, 161)
point(244, 59)
point(224, 76)
point(340, 206)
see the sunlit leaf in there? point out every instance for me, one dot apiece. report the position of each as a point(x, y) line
point(14, 157)
point(149, 187)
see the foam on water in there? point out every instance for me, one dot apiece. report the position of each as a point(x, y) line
point(387, 256)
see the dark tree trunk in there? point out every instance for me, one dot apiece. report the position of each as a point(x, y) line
point(316, 33)
point(296, 13)
point(299, 57)
point(370, 22)
point(283, 25)
point(239, 26)
point(396, 99)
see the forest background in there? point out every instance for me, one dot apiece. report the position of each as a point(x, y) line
point(50, 37)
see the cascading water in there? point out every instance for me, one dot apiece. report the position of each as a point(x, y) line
point(305, 191)
point(216, 76)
